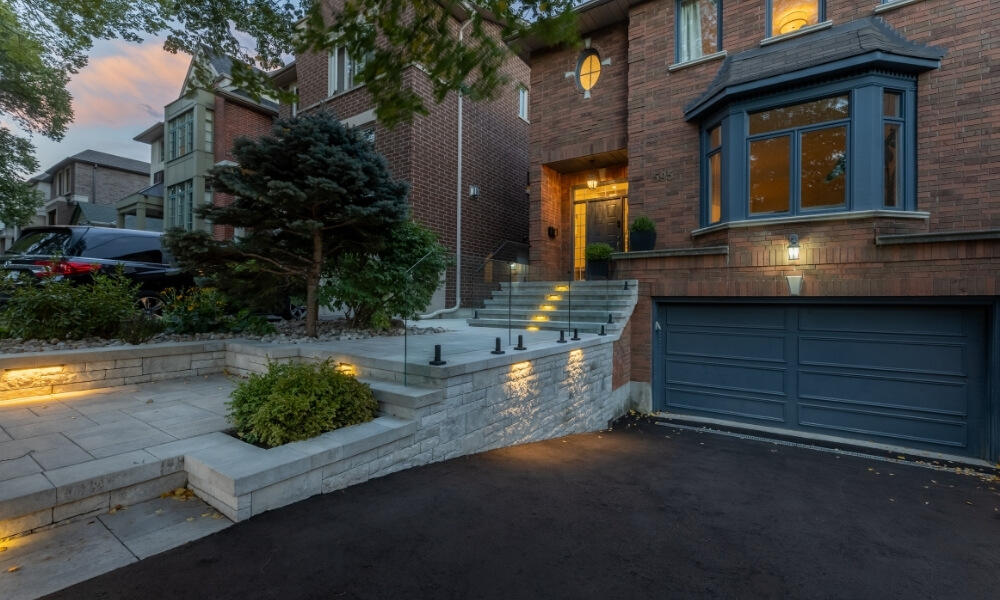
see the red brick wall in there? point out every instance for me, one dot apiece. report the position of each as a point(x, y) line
point(957, 175)
point(233, 120)
point(424, 153)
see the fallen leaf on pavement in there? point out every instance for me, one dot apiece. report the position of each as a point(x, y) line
point(14, 568)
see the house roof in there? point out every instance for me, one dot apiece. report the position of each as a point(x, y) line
point(286, 75)
point(593, 15)
point(101, 159)
point(150, 135)
point(858, 45)
point(102, 215)
point(155, 191)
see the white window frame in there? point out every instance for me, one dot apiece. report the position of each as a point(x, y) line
point(337, 82)
point(522, 102)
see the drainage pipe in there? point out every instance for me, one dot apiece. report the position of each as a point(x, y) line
point(458, 201)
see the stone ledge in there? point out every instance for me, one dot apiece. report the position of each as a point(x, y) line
point(235, 476)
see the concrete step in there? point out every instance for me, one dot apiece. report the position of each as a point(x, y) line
point(597, 316)
point(535, 303)
point(575, 285)
point(582, 326)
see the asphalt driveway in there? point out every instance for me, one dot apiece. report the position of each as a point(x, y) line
point(647, 511)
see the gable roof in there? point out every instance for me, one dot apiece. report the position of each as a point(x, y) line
point(861, 44)
point(101, 159)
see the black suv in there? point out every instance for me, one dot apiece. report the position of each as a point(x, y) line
point(77, 252)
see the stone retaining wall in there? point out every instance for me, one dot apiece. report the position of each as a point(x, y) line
point(38, 374)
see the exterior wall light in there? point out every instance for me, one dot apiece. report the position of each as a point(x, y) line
point(793, 247)
point(473, 191)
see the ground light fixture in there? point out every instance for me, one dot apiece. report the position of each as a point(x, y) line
point(793, 247)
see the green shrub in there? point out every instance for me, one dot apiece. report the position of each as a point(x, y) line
point(140, 326)
point(598, 251)
point(247, 322)
point(297, 401)
point(61, 310)
point(195, 310)
point(642, 224)
point(397, 280)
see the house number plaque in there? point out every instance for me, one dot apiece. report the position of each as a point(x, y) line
point(663, 175)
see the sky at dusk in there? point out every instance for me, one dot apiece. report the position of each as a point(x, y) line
point(119, 94)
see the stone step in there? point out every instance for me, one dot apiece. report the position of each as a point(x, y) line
point(582, 326)
point(597, 316)
point(575, 285)
point(534, 303)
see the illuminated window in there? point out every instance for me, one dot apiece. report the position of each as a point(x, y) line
point(838, 147)
point(786, 16)
point(588, 70)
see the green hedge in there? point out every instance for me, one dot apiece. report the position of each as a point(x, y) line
point(297, 401)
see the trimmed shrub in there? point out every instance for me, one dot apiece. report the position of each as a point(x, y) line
point(297, 401)
point(642, 224)
point(62, 310)
point(598, 251)
point(139, 327)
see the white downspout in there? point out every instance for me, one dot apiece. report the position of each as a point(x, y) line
point(458, 204)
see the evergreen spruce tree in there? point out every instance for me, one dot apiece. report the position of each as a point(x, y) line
point(306, 194)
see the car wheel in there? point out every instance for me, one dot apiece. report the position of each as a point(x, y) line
point(295, 311)
point(150, 303)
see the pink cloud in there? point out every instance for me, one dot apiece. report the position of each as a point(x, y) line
point(127, 85)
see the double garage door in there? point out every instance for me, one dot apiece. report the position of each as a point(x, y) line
point(904, 375)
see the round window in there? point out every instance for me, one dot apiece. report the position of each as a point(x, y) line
point(588, 69)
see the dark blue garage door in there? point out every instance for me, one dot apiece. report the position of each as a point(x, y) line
point(911, 376)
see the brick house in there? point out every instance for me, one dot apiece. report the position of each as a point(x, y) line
point(823, 178)
point(197, 133)
point(482, 172)
point(87, 179)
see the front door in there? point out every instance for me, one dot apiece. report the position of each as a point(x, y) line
point(604, 222)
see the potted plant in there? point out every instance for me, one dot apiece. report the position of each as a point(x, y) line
point(642, 234)
point(598, 257)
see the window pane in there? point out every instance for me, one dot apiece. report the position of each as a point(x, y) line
point(892, 104)
point(715, 138)
point(769, 179)
point(790, 15)
point(824, 167)
point(893, 174)
point(799, 115)
point(715, 187)
point(698, 29)
point(590, 71)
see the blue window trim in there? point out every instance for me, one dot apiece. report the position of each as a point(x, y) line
point(769, 11)
point(865, 171)
point(677, 31)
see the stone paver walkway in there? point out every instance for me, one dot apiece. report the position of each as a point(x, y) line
point(51, 434)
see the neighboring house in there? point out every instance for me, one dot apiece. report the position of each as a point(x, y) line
point(196, 134)
point(91, 178)
point(846, 147)
point(492, 168)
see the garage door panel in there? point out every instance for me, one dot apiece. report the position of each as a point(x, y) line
point(912, 320)
point(922, 395)
point(909, 375)
point(742, 317)
point(884, 426)
point(729, 404)
point(868, 354)
point(743, 346)
point(719, 375)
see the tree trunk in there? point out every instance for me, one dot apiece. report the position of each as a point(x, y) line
point(312, 286)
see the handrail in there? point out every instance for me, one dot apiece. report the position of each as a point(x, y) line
point(497, 250)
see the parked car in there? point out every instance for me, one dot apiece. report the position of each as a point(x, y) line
point(77, 252)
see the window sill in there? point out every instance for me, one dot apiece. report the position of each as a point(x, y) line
point(797, 33)
point(697, 61)
point(938, 237)
point(881, 8)
point(839, 216)
point(671, 253)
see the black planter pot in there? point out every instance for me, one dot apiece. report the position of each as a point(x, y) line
point(597, 269)
point(641, 240)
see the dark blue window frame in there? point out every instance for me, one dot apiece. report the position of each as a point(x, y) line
point(769, 11)
point(677, 31)
point(865, 158)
